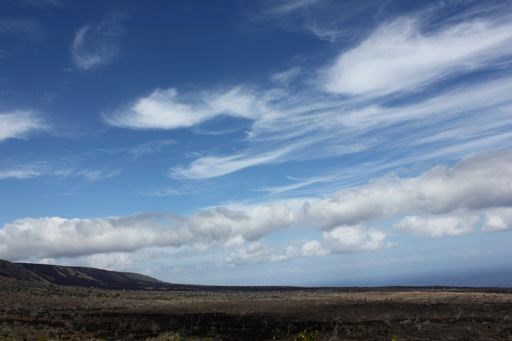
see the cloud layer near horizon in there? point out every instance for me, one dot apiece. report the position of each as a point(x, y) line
point(429, 204)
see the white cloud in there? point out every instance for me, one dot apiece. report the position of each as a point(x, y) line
point(399, 56)
point(59, 237)
point(214, 166)
point(45, 4)
point(21, 173)
point(41, 168)
point(475, 184)
point(257, 252)
point(326, 126)
point(284, 7)
point(21, 28)
point(94, 175)
point(313, 248)
point(438, 226)
point(330, 33)
point(109, 261)
point(151, 147)
point(286, 76)
point(290, 128)
point(95, 45)
point(163, 109)
point(18, 124)
point(499, 219)
point(340, 240)
point(343, 239)
point(325, 19)
point(298, 184)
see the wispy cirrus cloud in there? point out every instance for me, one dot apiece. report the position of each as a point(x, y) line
point(45, 4)
point(214, 166)
point(95, 175)
point(151, 147)
point(37, 169)
point(298, 184)
point(19, 173)
point(164, 109)
point(286, 132)
point(327, 125)
point(327, 20)
point(286, 76)
point(97, 44)
point(400, 56)
point(284, 7)
point(19, 124)
point(20, 28)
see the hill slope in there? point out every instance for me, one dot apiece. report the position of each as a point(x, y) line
point(80, 276)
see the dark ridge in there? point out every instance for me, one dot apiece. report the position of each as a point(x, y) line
point(13, 270)
point(104, 279)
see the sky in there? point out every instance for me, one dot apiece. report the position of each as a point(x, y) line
point(255, 142)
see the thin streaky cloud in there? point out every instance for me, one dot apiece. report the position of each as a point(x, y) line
point(298, 184)
point(287, 6)
point(399, 56)
point(19, 124)
point(97, 44)
point(331, 125)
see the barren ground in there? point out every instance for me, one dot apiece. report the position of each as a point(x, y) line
point(33, 311)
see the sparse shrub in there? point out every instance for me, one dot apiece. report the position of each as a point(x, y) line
point(166, 336)
point(307, 335)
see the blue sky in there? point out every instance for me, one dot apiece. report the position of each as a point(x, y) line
point(307, 142)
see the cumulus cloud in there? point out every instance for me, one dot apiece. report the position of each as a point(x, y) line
point(60, 237)
point(343, 239)
point(340, 240)
point(476, 184)
point(258, 252)
point(438, 226)
point(499, 219)
point(401, 56)
point(95, 45)
point(18, 124)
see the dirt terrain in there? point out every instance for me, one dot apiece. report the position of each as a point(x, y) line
point(31, 311)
